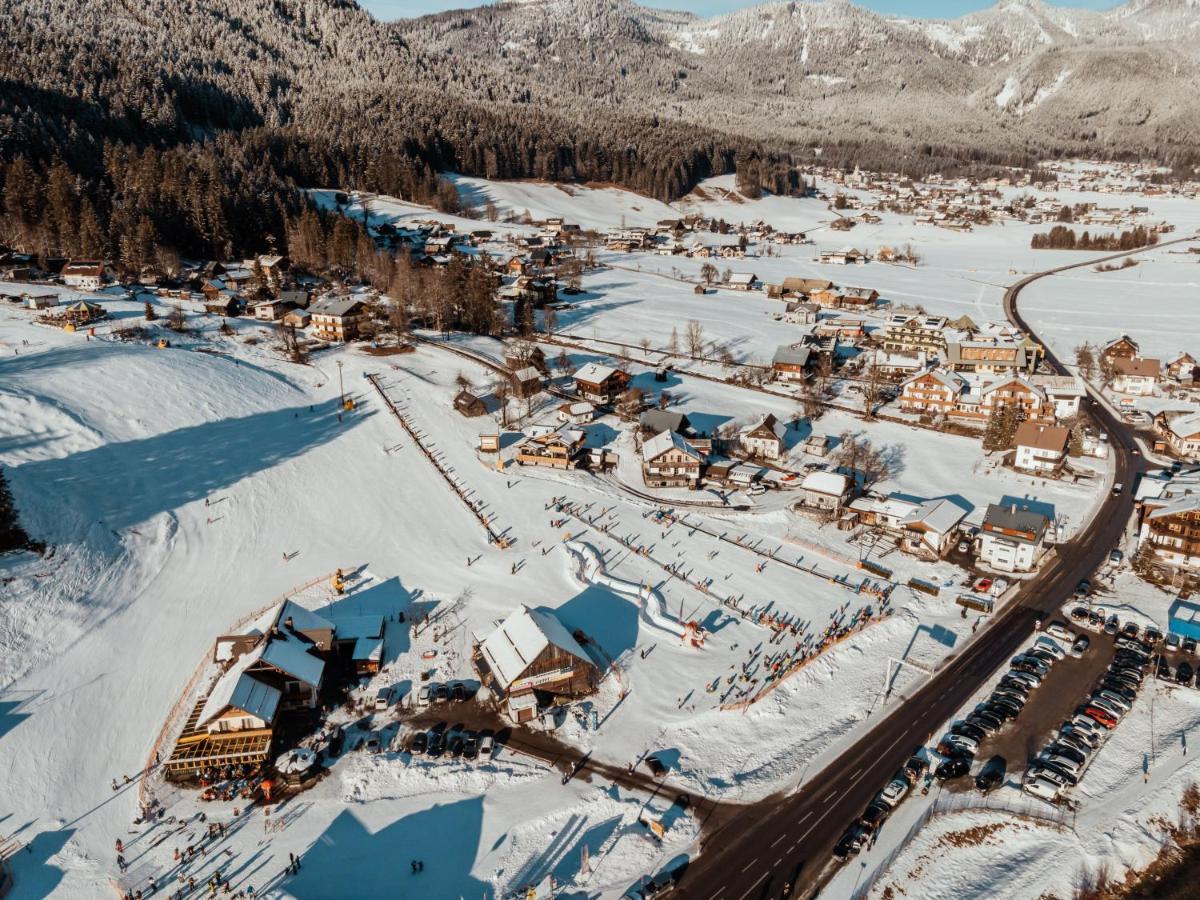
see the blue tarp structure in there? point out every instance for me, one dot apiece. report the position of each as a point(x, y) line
point(1184, 619)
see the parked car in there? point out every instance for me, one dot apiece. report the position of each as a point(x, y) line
point(441, 693)
point(1111, 624)
point(1009, 695)
point(992, 774)
point(1153, 636)
point(895, 790)
point(1080, 646)
point(1115, 557)
point(437, 744)
point(1049, 645)
point(1083, 588)
point(420, 741)
point(1061, 760)
point(1164, 669)
point(915, 768)
point(955, 767)
point(1113, 709)
point(383, 699)
point(1030, 678)
point(1042, 788)
point(427, 693)
point(1173, 641)
point(1095, 620)
point(470, 746)
point(1130, 630)
point(656, 766)
point(1059, 630)
point(1120, 688)
point(458, 691)
point(1009, 683)
point(1073, 742)
point(1103, 716)
point(1079, 613)
point(487, 744)
point(957, 745)
point(1037, 770)
point(1114, 699)
point(1189, 645)
point(853, 840)
point(985, 720)
point(1183, 673)
point(974, 732)
point(875, 815)
point(1060, 748)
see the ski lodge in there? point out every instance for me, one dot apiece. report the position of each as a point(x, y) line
point(531, 653)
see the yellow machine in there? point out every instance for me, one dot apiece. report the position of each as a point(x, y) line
point(337, 582)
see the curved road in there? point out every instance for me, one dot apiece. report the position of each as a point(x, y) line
point(788, 841)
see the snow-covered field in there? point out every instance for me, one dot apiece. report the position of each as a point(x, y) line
point(112, 451)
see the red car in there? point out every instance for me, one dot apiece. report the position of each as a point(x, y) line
point(1094, 712)
point(983, 585)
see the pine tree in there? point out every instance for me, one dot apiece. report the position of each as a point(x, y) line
point(149, 313)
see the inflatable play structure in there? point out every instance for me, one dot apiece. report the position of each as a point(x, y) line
point(589, 569)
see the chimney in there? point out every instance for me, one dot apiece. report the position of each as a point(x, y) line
point(288, 622)
point(1012, 509)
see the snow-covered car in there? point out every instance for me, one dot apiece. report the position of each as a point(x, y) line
point(487, 744)
point(383, 699)
point(893, 792)
point(1042, 788)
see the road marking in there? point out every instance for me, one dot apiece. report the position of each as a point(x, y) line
point(774, 864)
point(831, 793)
point(856, 771)
point(778, 839)
point(751, 863)
point(753, 886)
point(800, 821)
point(794, 846)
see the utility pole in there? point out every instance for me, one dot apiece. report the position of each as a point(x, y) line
point(341, 384)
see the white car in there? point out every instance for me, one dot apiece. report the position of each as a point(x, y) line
point(894, 791)
point(426, 694)
point(1059, 630)
point(1115, 699)
point(962, 742)
point(487, 746)
point(383, 699)
point(1063, 762)
point(1042, 788)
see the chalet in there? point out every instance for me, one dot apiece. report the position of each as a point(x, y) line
point(1179, 432)
point(270, 310)
point(532, 653)
point(764, 439)
point(844, 257)
point(1005, 392)
point(897, 365)
point(1123, 347)
point(825, 491)
point(297, 318)
point(337, 319)
point(519, 354)
point(792, 363)
point(84, 274)
point(576, 412)
point(1064, 392)
point(801, 313)
point(294, 297)
point(1012, 537)
point(654, 421)
point(741, 281)
point(987, 356)
point(923, 528)
point(1041, 449)
point(1135, 375)
point(843, 328)
point(1182, 368)
point(934, 393)
point(223, 303)
point(557, 449)
point(1169, 517)
point(915, 334)
point(864, 298)
point(818, 445)
point(793, 288)
point(668, 460)
point(600, 385)
point(468, 404)
point(526, 382)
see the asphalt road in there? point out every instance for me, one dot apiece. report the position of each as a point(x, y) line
point(783, 848)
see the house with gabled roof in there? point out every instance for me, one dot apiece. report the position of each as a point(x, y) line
point(531, 652)
point(558, 448)
point(668, 460)
point(599, 384)
point(764, 439)
point(1135, 375)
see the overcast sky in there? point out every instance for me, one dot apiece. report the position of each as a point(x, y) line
point(927, 9)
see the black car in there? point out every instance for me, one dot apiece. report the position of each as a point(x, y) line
point(915, 769)
point(1130, 630)
point(437, 744)
point(419, 743)
point(1058, 748)
point(1120, 688)
point(952, 768)
point(455, 744)
point(875, 815)
point(1015, 684)
point(992, 774)
point(966, 729)
point(1189, 645)
point(1048, 658)
point(1153, 636)
point(851, 842)
point(336, 741)
point(1164, 669)
point(988, 717)
point(458, 691)
point(1095, 619)
point(470, 745)
point(1002, 711)
point(1083, 588)
point(1010, 696)
point(1060, 771)
point(1079, 613)
point(1183, 674)
point(1112, 624)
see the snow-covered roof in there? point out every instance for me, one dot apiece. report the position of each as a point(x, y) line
point(290, 655)
point(664, 441)
point(368, 648)
point(594, 373)
point(354, 627)
point(521, 638)
point(940, 515)
point(825, 483)
point(771, 423)
point(1185, 426)
point(528, 373)
point(302, 619)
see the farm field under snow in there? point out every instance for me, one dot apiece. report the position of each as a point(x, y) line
point(112, 451)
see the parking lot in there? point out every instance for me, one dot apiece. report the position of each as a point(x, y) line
point(1068, 684)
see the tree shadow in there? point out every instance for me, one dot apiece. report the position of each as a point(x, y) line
point(124, 484)
point(11, 709)
point(31, 867)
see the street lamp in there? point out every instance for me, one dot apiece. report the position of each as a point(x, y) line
point(341, 384)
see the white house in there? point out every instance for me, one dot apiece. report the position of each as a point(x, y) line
point(1135, 375)
point(824, 490)
point(765, 438)
point(1064, 391)
point(86, 274)
point(1040, 448)
point(1012, 538)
